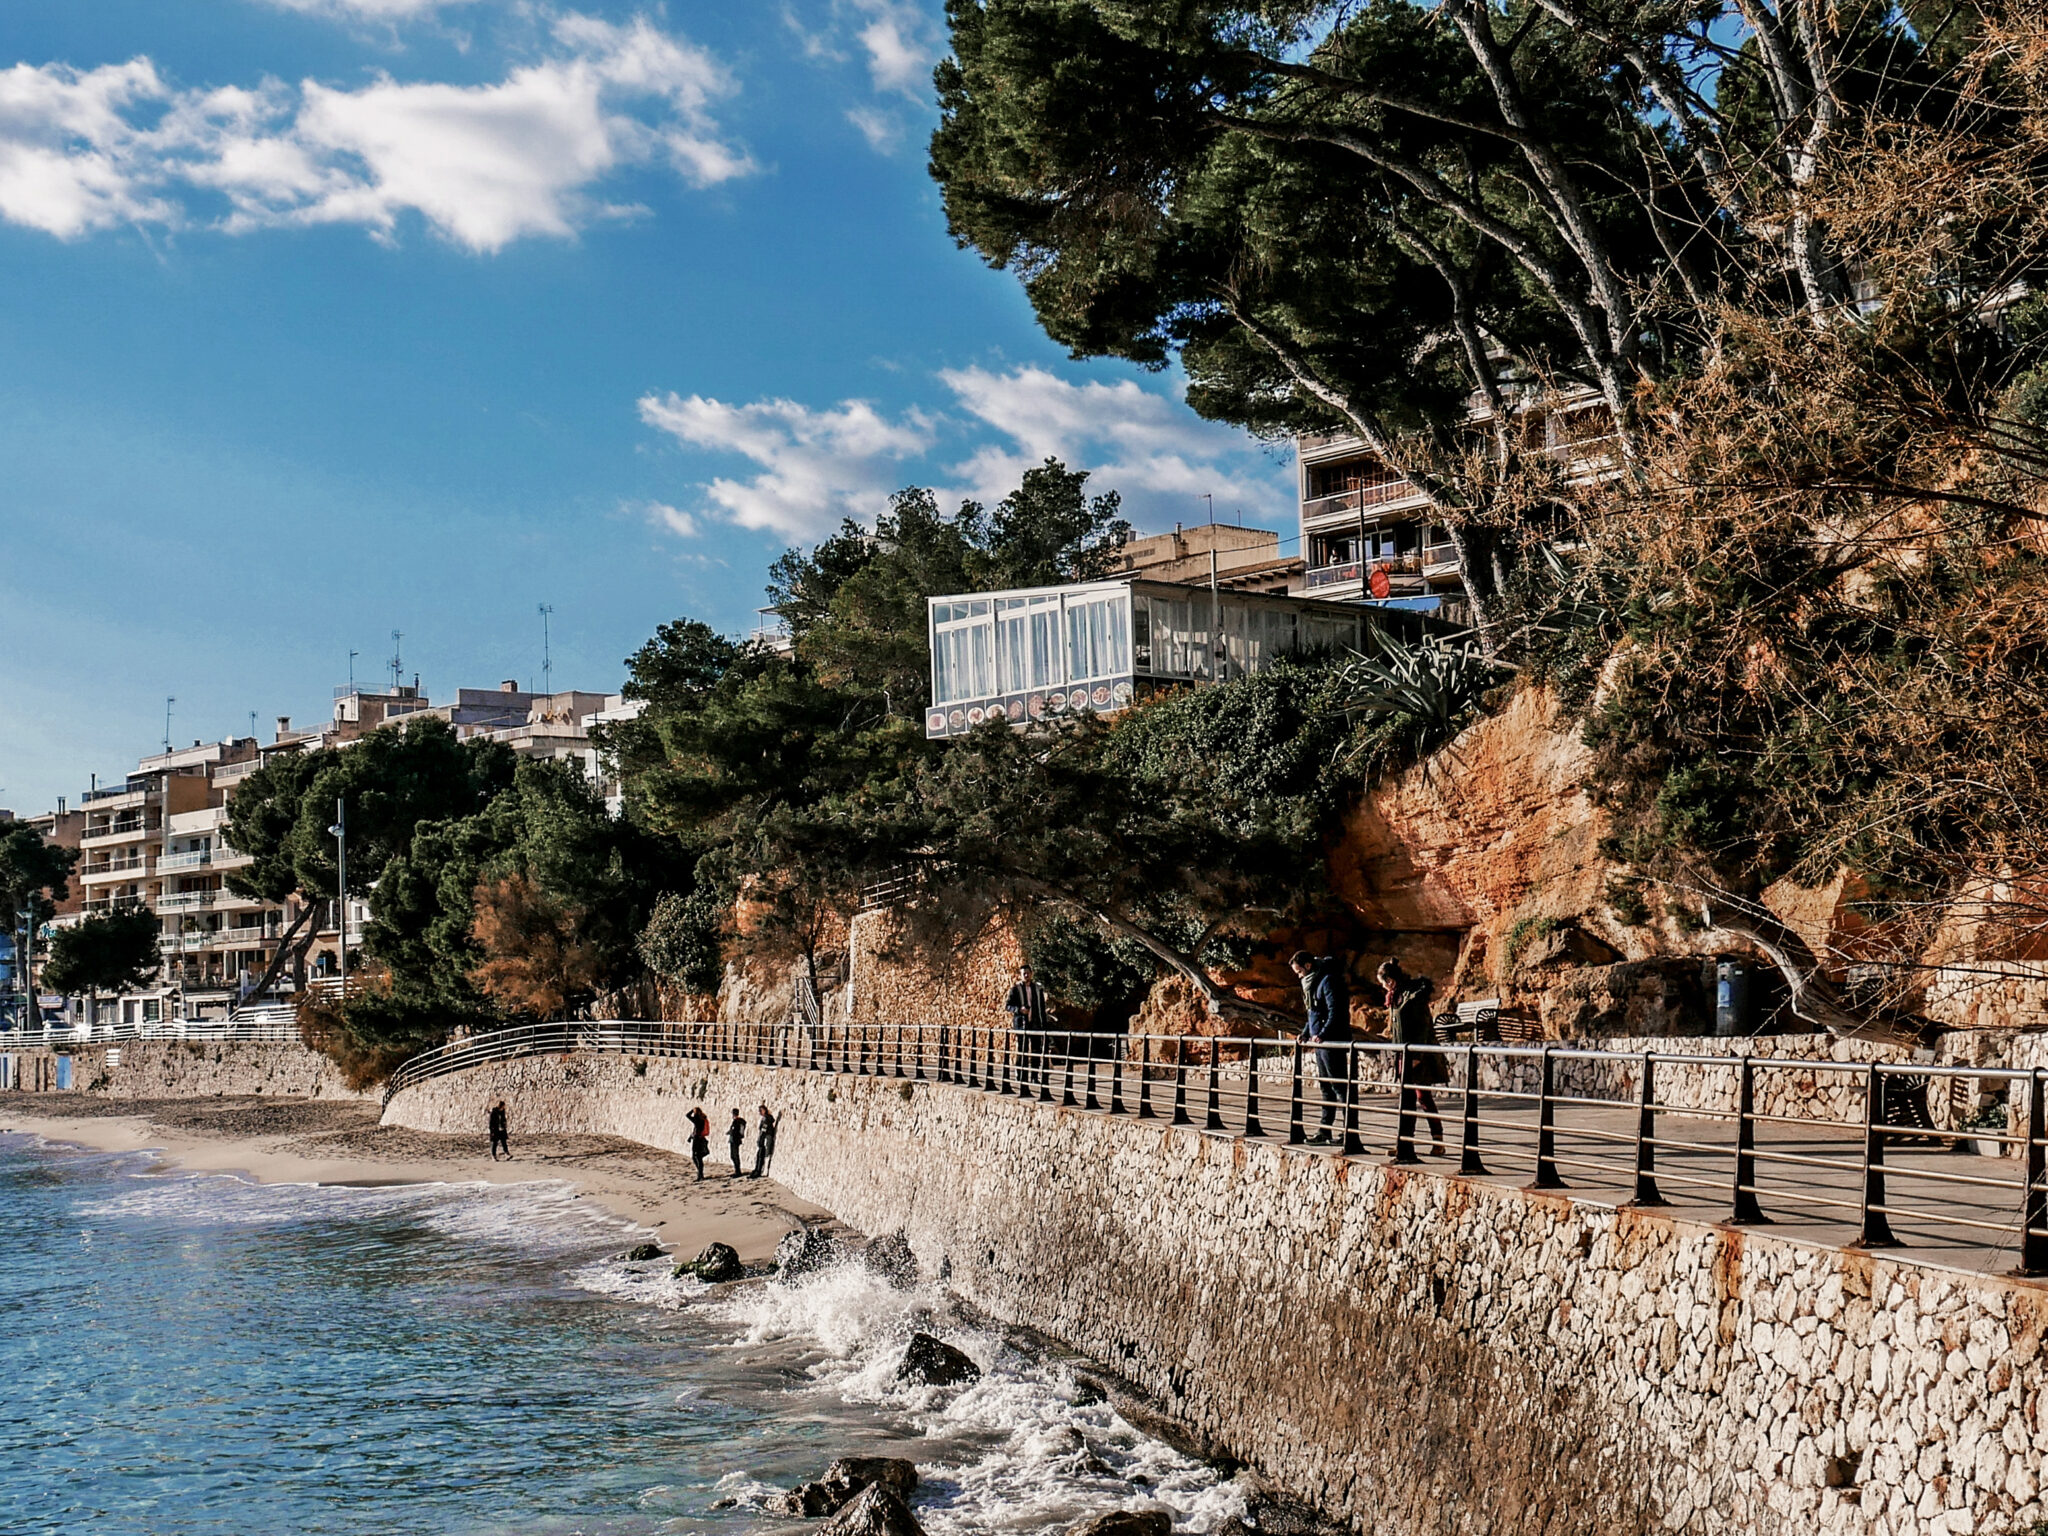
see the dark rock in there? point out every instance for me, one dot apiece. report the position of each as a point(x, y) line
point(851, 1475)
point(932, 1362)
point(891, 1258)
point(719, 1263)
point(803, 1251)
point(644, 1252)
point(1125, 1522)
point(807, 1499)
point(877, 1512)
point(1087, 1392)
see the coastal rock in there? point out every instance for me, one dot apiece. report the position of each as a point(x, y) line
point(1125, 1522)
point(877, 1512)
point(803, 1251)
point(931, 1362)
point(853, 1475)
point(715, 1265)
point(891, 1258)
point(807, 1499)
point(644, 1253)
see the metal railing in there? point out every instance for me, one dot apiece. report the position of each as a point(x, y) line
point(271, 1025)
point(1742, 1139)
point(192, 858)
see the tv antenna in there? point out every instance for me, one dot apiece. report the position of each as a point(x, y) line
point(547, 661)
point(168, 702)
point(352, 655)
point(397, 659)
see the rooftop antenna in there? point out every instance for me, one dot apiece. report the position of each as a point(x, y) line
point(1209, 498)
point(547, 663)
point(168, 702)
point(352, 655)
point(397, 663)
point(252, 725)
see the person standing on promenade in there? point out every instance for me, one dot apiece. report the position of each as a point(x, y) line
point(501, 1131)
point(1409, 1023)
point(764, 1143)
point(735, 1133)
point(1328, 1029)
point(700, 1139)
point(1026, 1007)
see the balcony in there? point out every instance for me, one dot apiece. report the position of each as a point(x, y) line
point(122, 831)
point(197, 858)
point(114, 869)
point(1335, 575)
point(102, 905)
point(186, 901)
point(1361, 499)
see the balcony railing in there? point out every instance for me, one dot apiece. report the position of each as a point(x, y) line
point(1334, 575)
point(1381, 493)
point(119, 829)
point(192, 859)
point(128, 866)
point(186, 901)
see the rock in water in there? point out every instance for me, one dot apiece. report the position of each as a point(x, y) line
point(877, 1512)
point(802, 1251)
point(1125, 1522)
point(891, 1258)
point(852, 1475)
point(644, 1252)
point(932, 1362)
point(719, 1263)
point(808, 1499)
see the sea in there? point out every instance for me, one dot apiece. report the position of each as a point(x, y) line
point(198, 1353)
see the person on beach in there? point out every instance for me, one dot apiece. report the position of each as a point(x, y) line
point(1328, 1029)
point(501, 1132)
point(1026, 1007)
point(1409, 1023)
point(735, 1133)
point(700, 1139)
point(764, 1143)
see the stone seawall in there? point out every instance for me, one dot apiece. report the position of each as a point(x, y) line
point(1419, 1355)
point(191, 1069)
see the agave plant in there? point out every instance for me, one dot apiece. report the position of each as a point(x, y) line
point(1433, 688)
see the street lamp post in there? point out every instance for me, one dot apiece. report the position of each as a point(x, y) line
point(339, 832)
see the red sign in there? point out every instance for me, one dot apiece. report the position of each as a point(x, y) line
point(1378, 581)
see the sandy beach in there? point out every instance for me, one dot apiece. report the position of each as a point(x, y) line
point(340, 1142)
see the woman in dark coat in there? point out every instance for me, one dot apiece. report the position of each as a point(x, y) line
point(700, 1139)
point(1409, 1023)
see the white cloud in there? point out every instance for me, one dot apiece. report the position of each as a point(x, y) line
point(483, 164)
point(899, 42)
point(816, 466)
point(897, 37)
point(674, 519)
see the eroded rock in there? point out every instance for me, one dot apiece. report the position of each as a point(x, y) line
point(644, 1253)
point(804, 1251)
point(891, 1258)
point(932, 1362)
point(1125, 1522)
point(876, 1512)
point(715, 1265)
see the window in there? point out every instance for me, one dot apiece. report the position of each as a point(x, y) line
point(1098, 638)
point(1027, 643)
point(963, 651)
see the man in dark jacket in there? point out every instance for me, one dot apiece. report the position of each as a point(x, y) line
point(764, 1143)
point(1026, 1006)
point(1409, 1023)
point(1328, 1030)
point(501, 1132)
point(700, 1139)
point(735, 1133)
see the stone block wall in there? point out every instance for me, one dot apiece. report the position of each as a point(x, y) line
point(195, 1069)
point(1418, 1355)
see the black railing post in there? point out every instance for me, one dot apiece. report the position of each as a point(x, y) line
point(1646, 1191)
point(1067, 1099)
point(1546, 1129)
point(1116, 1080)
point(1213, 1121)
point(918, 1055)
point(1877, 1226)
point(1251, 1091)
point(1352, 1145)
point(1180, 1083)
point(1088, 1098)
point(2034, 1208)
point(1044, 1069)
point(1295, 1134)
point(1008, 1049)
point(1404, 1111)
point(1746, 1208)
point(1145, 1109)
point(1468, 1151)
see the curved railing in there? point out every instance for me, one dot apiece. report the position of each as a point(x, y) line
point(1812, 1144)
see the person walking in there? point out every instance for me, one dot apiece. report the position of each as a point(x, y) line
point(764, 1143)
point(1409, 1023)
point(700, 1139)
point(501, 1131)
point(1026, 1006)
point(1329, 1030)
point(735, 1133)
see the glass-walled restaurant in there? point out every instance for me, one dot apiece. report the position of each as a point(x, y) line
point(1056, 651)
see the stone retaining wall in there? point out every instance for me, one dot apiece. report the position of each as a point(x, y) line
point(1419, 1355)
point(192, 1069)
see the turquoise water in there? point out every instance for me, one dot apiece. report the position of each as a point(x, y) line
point(201, 1354)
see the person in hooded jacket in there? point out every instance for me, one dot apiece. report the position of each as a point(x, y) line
point(1329, 1030)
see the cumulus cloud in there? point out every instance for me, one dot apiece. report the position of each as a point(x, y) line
point(898, 40)
point(818, 466)
point(483, 164)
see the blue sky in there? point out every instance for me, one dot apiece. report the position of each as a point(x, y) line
point(325, 318)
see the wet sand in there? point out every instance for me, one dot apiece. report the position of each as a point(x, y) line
point(298, 1141)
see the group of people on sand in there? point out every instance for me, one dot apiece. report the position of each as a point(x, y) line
point(1328, 1029)
point(735, 1138)
point(500, 1126)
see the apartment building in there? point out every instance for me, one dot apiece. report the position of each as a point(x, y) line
point(1366, 531)
point(1237, 559)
